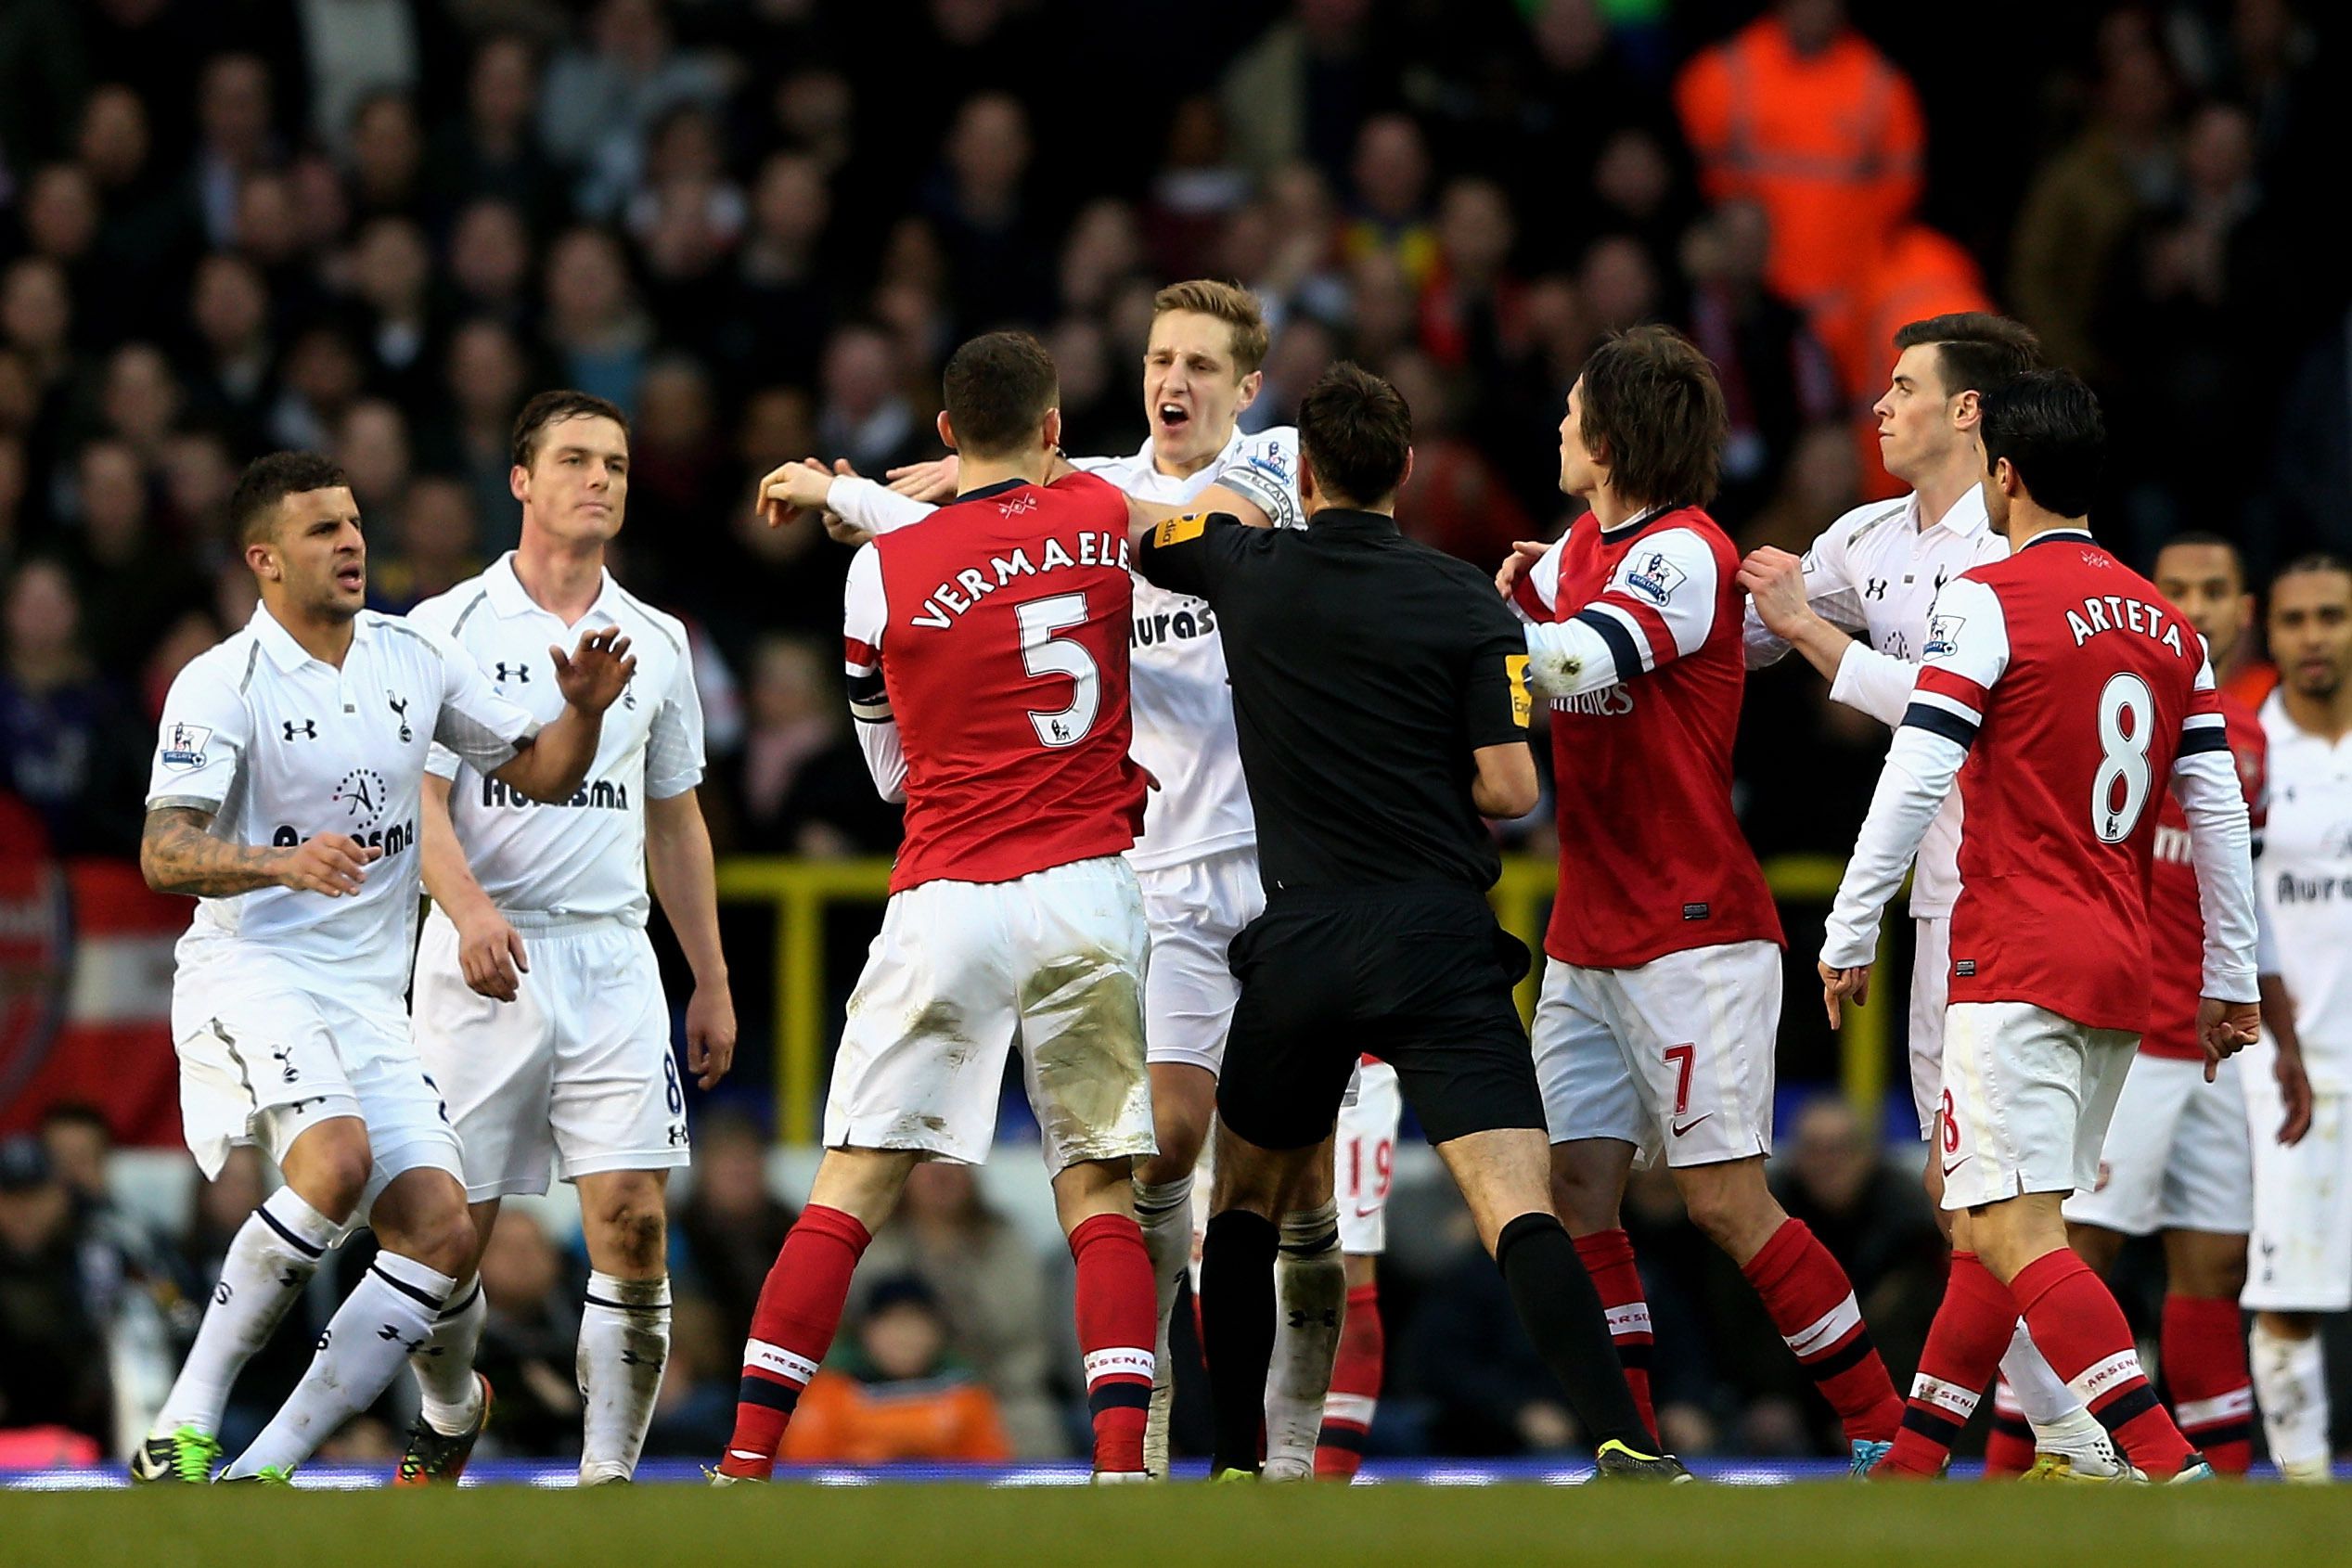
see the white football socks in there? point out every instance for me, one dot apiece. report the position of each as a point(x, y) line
point(1164, 1210)
point(2290, 1381)
point(1310, 1286)
point(389, 1314)
point(448, 1391)
point(272, 1258)
point(625, 1340)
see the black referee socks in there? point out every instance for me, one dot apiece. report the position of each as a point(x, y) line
point(1563, 1314)
point(1237, 1329)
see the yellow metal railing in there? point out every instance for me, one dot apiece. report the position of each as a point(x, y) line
point(802, 890)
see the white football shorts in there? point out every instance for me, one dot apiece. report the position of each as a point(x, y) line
point(2030, 1095)
point(963, 971)
point(1195, 910)
point(575, 1076)
point(2176, 1156)
point(2299, 1255)
point(1364, 1158)
point(269, 1049)
point(1930, 988)
point(1673, 1057)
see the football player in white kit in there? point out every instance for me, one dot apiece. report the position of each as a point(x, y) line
point(2299, 1262)
point(285, 796)
point(538, 1004)
point(1197, 859)
point(1857, 607)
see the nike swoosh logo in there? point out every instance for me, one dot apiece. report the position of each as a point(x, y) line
point(1957, 1164)
point(1681, 1128)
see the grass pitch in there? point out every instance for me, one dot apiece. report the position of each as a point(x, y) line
point(1188, 1526)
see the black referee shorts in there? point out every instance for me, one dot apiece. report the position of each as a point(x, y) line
point(1418, 974)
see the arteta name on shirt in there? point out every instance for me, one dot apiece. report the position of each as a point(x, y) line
point(947, 603)
point(2114, 612)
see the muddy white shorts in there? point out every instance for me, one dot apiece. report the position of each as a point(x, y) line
point(575, 1075)
point(1195, 908)
point(1930, 987)
point(2030, 1095)
point(2176, 1156)
point(1364, 1158)
point(1673, 1057)
point(2299, 1255)
point(963, 971)
point(268, 1050)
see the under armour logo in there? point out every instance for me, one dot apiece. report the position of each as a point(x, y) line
point(400, 710)
point(392, 1332)
point(307, 730)
point(631, 1359)
point(1326, 1319)
point(1874, 588)
point(520, 674)
point(677, 1134)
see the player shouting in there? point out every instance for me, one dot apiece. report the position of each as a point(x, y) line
point(285, 797)
point(2071, 692)
point(1660, 1001)
point(538, 1004)
point(988, 673)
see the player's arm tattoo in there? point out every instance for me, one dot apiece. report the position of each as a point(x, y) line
point(178, 855)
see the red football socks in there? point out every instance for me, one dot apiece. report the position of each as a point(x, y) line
point(1608, 1257)
point(1356, 1387)
point(2082, 1334)
point(1971, 1331)
point(2204, 1363)
point(1118, 1320)
point(1811, 1302)
point(792, 1326)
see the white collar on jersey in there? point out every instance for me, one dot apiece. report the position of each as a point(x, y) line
point(1636, 520)
point(1966, 517)
point(510, 599)
point(279, 644)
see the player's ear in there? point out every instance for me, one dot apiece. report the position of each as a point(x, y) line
point(1052, 429)
point(1407, 477)
point(1306, 478)
point(261, 559)
point(1968, 411)
point(519, 483)
point(1252, 384)
point(946, 431)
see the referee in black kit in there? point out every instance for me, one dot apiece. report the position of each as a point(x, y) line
point(1379, 693)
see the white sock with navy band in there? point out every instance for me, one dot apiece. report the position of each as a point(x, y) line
point(625, 1340)
point(272, 1258)
point(448, 1391)
point(1310, 1301)
point(389, 1314)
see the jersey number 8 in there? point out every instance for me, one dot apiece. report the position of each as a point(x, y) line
point(2127, 728)
point(1045, 655)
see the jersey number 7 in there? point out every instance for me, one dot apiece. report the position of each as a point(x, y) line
point(1046, 656)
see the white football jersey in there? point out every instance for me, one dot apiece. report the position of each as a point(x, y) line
point(2303, 881)
point(584, 856)
point(1179, 691)
point(1876, 571)
point(280, 747)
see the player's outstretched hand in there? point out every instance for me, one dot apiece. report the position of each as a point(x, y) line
point(329, 862)
point(710, 1033)
point(1775, 580)
point(1838, 985)
point(2225, 1028)
point(2294, 1093)
point(598, 672)
point(490, 956)
point(933, 482)
point(796, 487)
point(1524, 553)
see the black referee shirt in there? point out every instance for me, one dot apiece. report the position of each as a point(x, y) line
point(1365, 669)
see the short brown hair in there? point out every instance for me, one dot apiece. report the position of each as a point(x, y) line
point(1355, 432)
point(553, 407)
point(1653, 411)
point(997, 389)
point(252, 505)
point(1230, 304)
point(1975, 350)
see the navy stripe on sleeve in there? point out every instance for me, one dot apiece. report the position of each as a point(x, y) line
point(1940, 721)
point(1622, 650)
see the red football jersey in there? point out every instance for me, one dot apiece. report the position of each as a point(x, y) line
point(1651, 857)
point(2079, 685)
point(998, 628)
point(2176, 923)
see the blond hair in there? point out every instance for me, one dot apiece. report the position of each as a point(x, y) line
point(1229, 302)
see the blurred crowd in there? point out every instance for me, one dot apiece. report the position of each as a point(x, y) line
point(373, 227)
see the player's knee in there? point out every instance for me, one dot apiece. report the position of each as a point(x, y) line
point(332, 1170)
point(2217, 1277)
point(1583, 1204)
point(633, 1228)
point(1738, 1216)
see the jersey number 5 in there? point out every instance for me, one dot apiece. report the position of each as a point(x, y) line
point(2127, 728)
point(1044, 655)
